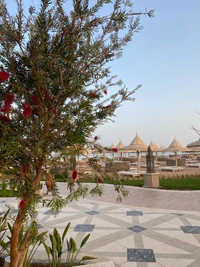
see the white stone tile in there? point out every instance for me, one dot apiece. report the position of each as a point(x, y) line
point(130, 264)
point(153, 264)
point(121, 217)
point(194, 222)
point(166, 225)
point(144, 219)
point(189, 239)
point(150, 242)
point(119, 261)
point(127, 242)
point(173, 234)
point(112, 247)
point(176, 222)
point(102, 223)
point(104, 232)
point(101, 264)
point(169, 249)
point(174, 262)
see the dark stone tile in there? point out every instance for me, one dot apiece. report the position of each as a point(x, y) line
point(140, 255)
point(134, 213)
point(92, 212)
point(84, 228)
point(190, 229)
point(178, 214)
point(137, 228)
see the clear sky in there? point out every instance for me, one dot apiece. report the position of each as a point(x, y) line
point(165, 58)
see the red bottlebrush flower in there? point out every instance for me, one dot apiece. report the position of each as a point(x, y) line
point(93, 95)
point(9, 99)
point(4, 75)
point(22, 204)
point(27, 110)
point(50, 108)
point(36, 100)
point(25, 169)
point(46, 94)
point(100, 180)
point(96, 138)
point(115, 150)
point(6, 109)
point(105, 92)
point(4, 119)
point(74, 175)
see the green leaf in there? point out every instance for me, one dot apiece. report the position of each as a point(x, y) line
point(73, 244)
point(86, 258)
point(10, 227)
point(85, 239)
point(47, 249)
point(65, 231)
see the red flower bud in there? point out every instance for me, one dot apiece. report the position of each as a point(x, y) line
point(105, 92)
point(92, 95)
point(74, 175)
point(96, 138)
point(115, 150)
point(4, 75)
point(9, 98)
point(100, 180)
point(25, 169)
point(46, 94)
point(22, 204)
point(36, 100)
point(6, 109)
point(27, 110)
point(4, 119)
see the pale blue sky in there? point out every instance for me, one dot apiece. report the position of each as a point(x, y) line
point(164, 57)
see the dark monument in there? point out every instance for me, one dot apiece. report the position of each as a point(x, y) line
point(150, 161)
point(151, 178)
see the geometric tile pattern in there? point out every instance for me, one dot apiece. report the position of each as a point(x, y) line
point(140, 255)
point(136, 228)
point(124, 233)
point(190, 229)
point(92, 212)
point(134, 213)
point(84, 228)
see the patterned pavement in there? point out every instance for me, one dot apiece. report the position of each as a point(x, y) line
point(126, 234)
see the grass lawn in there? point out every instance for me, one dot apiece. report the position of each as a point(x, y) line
point(176, 184)
point(192, 183)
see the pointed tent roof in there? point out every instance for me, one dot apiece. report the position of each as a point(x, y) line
point(112, 146)
point(120, 145)
point(196, 143)
point(175, 146)
point(136, 145)
point(154, 147)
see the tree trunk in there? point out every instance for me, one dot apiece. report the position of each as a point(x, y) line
point(15, 254)
point(17, 250)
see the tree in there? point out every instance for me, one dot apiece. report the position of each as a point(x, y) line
point(54, 81)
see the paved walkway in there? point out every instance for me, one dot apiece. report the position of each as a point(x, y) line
point(151, 228)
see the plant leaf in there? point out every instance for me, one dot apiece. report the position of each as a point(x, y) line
point(85, 258)
point(65, 231)
point(85, 239)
